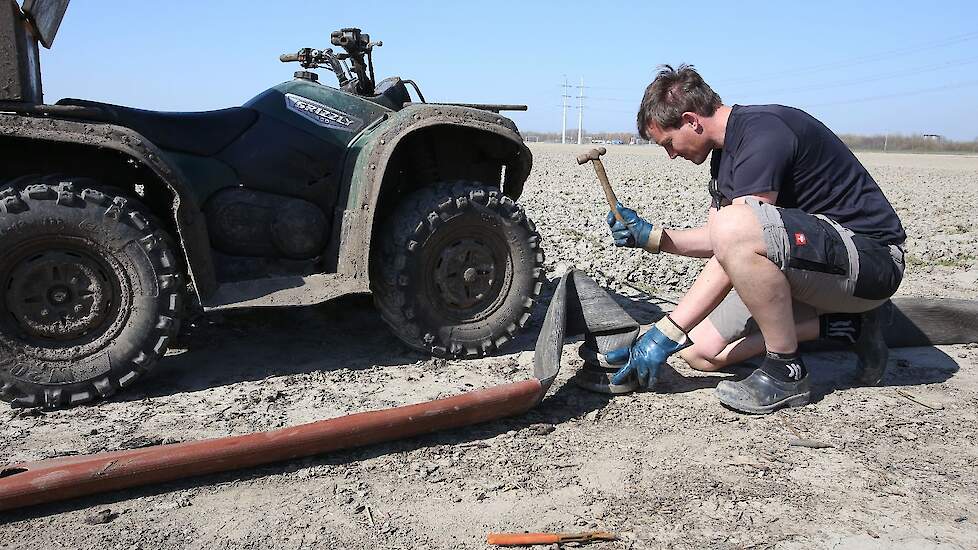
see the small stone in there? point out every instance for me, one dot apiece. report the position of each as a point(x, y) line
point(540, 429)
point(100, 517)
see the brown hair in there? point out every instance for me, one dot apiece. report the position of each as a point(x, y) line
point(672, 93)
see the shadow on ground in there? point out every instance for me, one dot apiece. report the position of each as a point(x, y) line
point(248, 345)
point(347, 332)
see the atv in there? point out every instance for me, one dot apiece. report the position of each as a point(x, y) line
point(117, 224)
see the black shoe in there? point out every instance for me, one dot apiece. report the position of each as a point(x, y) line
point(760, 393)
point(870, 347)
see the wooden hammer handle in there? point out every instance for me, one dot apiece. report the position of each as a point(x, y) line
point(594, 155)
point(609, 193)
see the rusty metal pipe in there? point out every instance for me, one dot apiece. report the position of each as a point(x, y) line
point(57, 479)
point(578, 306)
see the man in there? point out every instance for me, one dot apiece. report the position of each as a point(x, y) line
point(802, 244)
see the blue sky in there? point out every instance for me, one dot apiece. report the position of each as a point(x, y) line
point(861, 67)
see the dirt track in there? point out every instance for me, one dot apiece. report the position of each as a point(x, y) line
point(665, 469)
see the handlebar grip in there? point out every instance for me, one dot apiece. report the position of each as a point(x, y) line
point(287, 57)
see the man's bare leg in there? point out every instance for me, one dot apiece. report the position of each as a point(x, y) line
point(710, 288)
point(739, 247)
point(711, 352)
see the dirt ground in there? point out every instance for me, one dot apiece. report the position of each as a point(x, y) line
point(669, 469)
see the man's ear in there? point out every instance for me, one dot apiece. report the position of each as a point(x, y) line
point(648, 131)
point(692, 119)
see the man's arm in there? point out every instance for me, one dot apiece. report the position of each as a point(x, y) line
point(693, 243)
point(712, 284)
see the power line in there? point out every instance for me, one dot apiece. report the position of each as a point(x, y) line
point(609, 88)
point(841, 83)
point(860, 60)
point(899, 94)
point(612, 110)
point(876, 78)
point(600, 98)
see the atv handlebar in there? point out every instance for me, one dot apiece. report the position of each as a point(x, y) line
point(311, 58)
point(357, 45)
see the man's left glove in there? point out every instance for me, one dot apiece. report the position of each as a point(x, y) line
point(635, 232)
point(649, 352)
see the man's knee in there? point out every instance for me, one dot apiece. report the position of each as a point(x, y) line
point(699, 360)
point(736, 230)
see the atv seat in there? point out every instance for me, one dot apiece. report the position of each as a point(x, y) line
point(204, 134)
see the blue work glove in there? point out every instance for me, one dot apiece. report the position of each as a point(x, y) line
point(646, 356)
point(634, 233)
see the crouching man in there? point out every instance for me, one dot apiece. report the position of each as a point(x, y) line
point(801, 244)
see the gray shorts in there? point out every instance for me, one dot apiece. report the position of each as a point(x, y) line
point(829, 268)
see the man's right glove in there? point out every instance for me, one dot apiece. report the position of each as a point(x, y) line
point(635, 232)
point(649, 352)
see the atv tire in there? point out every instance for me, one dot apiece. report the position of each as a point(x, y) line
point(460, 269)
point(90, 292)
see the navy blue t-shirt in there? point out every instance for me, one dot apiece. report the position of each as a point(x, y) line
point(783, 149)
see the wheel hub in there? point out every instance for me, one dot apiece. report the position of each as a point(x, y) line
point(466, 273)
point(59, 295)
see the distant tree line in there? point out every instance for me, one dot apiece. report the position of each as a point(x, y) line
point(554, 137)
point(914, 142)
point(890, 142)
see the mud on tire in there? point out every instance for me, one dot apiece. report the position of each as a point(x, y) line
point(90, 292)
point(459, 269)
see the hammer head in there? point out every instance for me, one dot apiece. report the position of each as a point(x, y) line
point(593, 154)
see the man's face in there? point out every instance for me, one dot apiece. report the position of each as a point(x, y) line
point(688, 141)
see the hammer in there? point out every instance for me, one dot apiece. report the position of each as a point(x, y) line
point(594, 155)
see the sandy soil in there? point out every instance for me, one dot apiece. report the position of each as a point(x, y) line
point(671, 469)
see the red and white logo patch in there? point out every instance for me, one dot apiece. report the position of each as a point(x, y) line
point(801, 239)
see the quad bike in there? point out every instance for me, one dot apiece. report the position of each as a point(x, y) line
point(117, 223)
